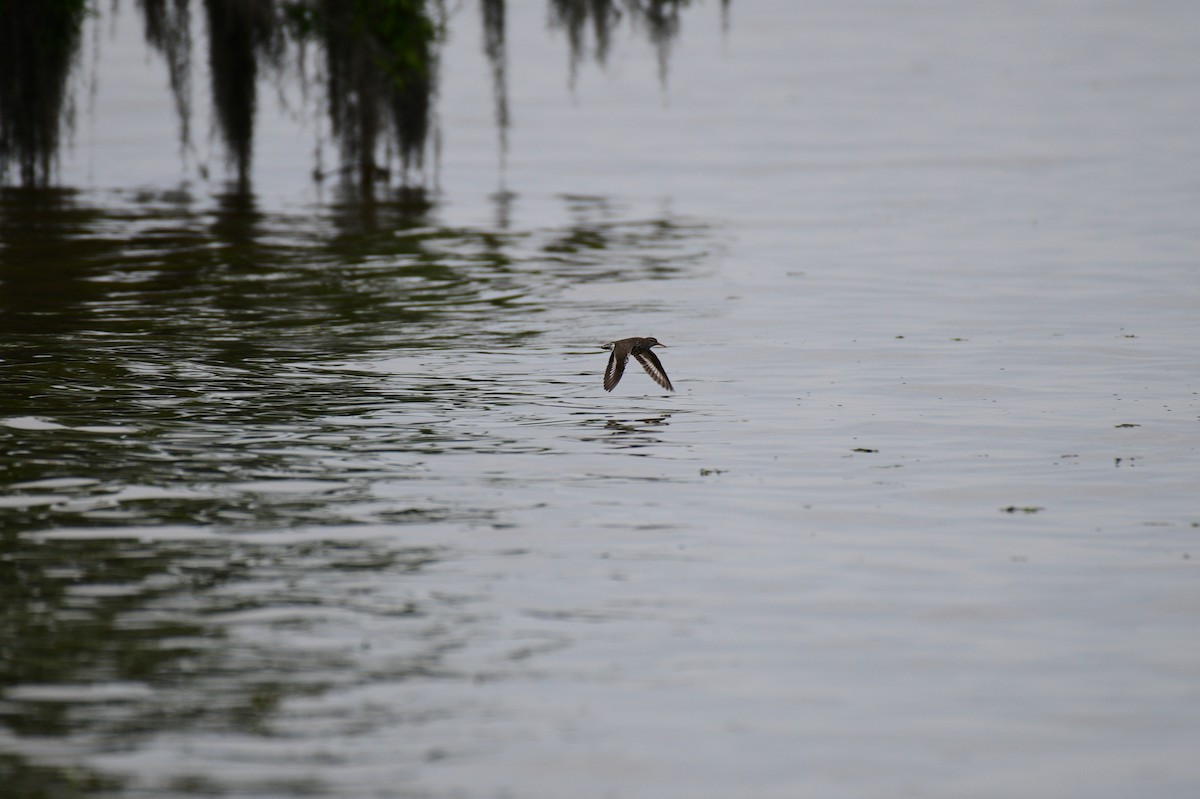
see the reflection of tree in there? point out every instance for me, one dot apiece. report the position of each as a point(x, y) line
point(28, 779)
point(169, 30)
point(574, 16)
point(653, 248)
point(380, 68)
point(380, 72)
point(145, 618)
point(659, 18)
point(44, 260)
point(240, 33)
point(38, 41)
point(494, 49)
point(191, 342)
point(192, 357)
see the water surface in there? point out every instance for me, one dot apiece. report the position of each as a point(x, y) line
point(310, 495)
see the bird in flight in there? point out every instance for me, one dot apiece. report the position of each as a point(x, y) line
point(639, 348)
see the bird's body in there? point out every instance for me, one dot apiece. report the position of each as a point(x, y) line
point(641, 348)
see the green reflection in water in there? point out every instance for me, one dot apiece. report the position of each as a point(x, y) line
point(25, 780)
point(114, 641)
point(182, 372)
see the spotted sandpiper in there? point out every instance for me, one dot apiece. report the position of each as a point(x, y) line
point(639, 348)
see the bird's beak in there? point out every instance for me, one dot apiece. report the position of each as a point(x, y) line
point(659, 344)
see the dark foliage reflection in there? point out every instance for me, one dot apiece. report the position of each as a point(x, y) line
point(171, 353)
point(186, 377)
point(378, 80)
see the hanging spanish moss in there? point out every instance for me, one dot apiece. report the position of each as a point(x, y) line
point(241, 33)
point(573, 16)
point(494, 49)
point(168, 29)
point(660, 19)
point(380, 72)
point(38, 44)
point(379, 75)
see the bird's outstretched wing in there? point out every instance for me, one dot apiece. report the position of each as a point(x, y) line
point(616, 366)
point(653, 367)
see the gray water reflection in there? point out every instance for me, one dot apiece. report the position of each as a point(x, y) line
point(109, 642)
point(181, 373)
point(219, 365)
point(920, 518)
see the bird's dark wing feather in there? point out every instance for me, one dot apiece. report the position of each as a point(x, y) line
point(616, 366)
point(654, 368)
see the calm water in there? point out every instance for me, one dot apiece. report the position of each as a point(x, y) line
point(302, 495)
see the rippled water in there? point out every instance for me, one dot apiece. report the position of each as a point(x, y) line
point(288, 368)
point(305, 495)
